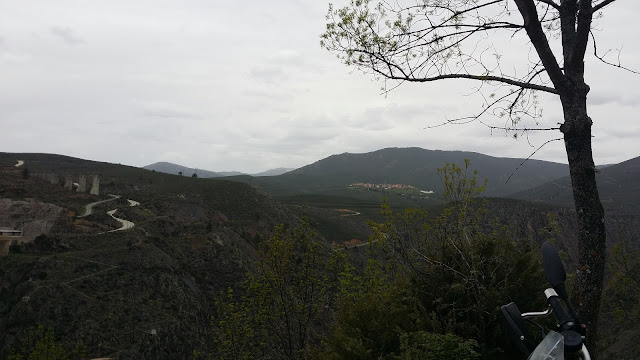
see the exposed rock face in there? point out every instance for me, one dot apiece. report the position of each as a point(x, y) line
point(53, 178)
point(68, 182)
point(82, 184)
point(95, 186)
point(4, 246)
point(33, 218)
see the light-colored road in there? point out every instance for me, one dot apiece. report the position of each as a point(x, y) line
point(20, 163)
point(133, 202)
point(89, 207)
point(126, 225)
point(352, 214)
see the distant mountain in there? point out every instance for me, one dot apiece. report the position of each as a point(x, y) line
point(618, 185)
point(170, 168)
point(274, 172)
point(410, 166)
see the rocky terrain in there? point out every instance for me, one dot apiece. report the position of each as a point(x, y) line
point(193, 239)
point(32, 217)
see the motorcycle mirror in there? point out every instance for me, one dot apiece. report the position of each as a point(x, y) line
point(553, 269)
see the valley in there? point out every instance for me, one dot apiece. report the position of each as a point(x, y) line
point(138, 274)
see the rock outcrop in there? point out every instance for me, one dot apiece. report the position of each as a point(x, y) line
point(95, 186)
point(53, 178)
point(33, 218)
point(82, 184)
point(68, 182)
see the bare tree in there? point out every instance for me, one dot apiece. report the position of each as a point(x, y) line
point(430, 40)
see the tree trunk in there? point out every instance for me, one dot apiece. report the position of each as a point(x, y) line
point(591, 228)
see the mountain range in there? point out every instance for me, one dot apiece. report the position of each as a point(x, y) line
point(171, 168)
point(410, 166)
point(618, 186)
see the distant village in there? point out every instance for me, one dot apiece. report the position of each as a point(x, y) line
point(380, 186)
point(413, 192)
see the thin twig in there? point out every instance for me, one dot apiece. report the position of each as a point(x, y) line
point(601, 57)
point(529, 157)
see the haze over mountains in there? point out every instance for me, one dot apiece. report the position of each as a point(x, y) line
point(170, 168)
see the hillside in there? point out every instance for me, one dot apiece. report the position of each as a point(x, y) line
point(192, 239)
point(618, 185)
point(410, 166)
point(274, 172)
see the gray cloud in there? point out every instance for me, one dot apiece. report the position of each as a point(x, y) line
point(268, 74)
point(599, 99)
point(270, 94)
point(67, 35)
point(164, 110)
point(219, 94)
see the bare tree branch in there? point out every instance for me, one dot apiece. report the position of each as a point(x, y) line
point(601, 5)
point(551, 3)
point(539, 40)
point(482, 78)
point(584, 17)
point(529, 157)
point(601, 57)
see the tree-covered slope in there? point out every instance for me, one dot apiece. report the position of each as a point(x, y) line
point(410, 166)
point(618, 185)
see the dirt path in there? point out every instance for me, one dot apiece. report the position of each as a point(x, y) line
point(352, 214)
point(133, 202)
point(126, 224)
point(20, 163)
point(89, 207)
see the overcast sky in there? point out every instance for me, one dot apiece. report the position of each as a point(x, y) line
point(244, 85)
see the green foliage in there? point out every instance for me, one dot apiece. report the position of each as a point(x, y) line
point(624, 285)
point(287, 298)
point(443, 275)
point(26, 173)
point(374, 309)
point(428, 346)
point(620, 312)
point(458, 186)
point(40, 344)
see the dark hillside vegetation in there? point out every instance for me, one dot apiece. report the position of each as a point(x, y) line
point(147, 292)
point(618, 185)
point(429, 287)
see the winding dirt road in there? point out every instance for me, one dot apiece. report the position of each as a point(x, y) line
point(20, 163)
point(126, 225)
point(89, 207)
